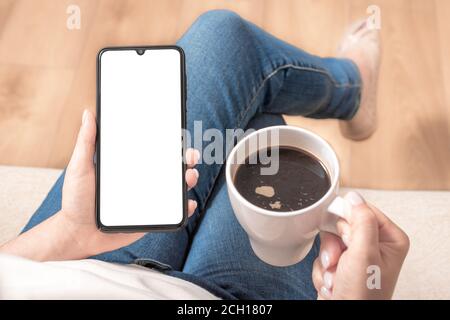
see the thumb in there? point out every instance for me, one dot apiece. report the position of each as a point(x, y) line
point(83, 154)
point(363, 222)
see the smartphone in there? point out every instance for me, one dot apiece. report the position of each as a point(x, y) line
point(141, 114)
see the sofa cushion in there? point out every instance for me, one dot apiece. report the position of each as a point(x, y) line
point(424, 215)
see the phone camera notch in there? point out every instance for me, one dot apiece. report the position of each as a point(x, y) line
point(140, 51)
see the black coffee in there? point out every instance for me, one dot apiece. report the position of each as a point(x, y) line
point(301, 180)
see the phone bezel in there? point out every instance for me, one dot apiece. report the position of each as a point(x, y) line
point(97, 157)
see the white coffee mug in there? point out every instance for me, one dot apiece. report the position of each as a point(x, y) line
point(285, 238)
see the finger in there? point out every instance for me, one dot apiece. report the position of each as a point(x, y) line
point(317, 274)
point(325, 293)
point(389, 232)
point(83, 154)
point(323, 280)
point(328, 278)
point(191, 177)
point(192, 157)
point(192, 205)
point(331, 248)
point(362, 221)
point(374, 226)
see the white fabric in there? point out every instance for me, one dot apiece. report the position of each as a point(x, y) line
point(89, 279)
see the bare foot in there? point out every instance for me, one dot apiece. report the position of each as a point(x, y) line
point(362, 46)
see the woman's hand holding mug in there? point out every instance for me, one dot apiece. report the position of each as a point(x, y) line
point(356, 238)
point(368, 243)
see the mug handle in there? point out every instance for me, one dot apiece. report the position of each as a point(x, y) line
point(339, 208)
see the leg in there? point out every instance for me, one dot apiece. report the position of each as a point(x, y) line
point(222, 50)
point(236, 70)
point(273, 77)
point(222, 258)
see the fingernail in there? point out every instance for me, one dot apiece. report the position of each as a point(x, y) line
point(327, 280)
point(195, 204)
point(354, 198)
point(83, 118)
point(196, 173)
point(325, 293)
point(196, 155)
point(325, 259)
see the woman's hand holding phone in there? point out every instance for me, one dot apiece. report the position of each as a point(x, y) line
point(78, 200)
point(72, 233)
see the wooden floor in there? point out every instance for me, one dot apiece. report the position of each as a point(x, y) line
point(47, 75)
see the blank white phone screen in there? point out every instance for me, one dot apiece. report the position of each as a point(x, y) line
point(141, 173)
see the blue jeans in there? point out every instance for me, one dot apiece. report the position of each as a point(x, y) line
point(238, 76)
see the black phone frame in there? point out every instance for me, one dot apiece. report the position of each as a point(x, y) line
point(97, 157)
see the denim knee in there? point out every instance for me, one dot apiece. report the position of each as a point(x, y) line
point(216, 29)
point(220, 19)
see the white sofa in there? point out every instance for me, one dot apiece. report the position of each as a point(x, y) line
point(424, 215)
